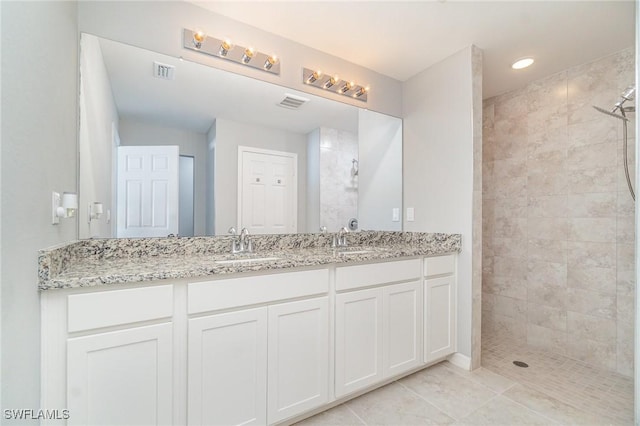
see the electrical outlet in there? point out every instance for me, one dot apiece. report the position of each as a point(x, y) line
point(395, 214)
point(410, 214)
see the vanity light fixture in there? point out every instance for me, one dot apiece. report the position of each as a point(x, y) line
point(522, 63)
point(334, 84)
point(63, 207)
point(225, 49)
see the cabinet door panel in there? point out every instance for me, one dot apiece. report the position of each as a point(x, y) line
point(121, 378)
point(227, 372)
point(439, 305)
point(358, 340)
point(298, 357)
point(402, 307)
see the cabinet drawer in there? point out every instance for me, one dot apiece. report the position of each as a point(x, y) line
point(235, 292)
point(351, 277)
point(439, 265)
point(108, 308)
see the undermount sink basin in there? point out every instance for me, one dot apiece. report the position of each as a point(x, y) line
point(246, 260)
point(348, 252)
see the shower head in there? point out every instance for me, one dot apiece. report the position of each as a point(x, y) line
point(628, 93)
point(611, 113)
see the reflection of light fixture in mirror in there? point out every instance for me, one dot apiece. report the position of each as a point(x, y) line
point(270, 62)
point(314, 76)
point(247, 55)
point(63, 207)
point(332, 81)
point(334, 84)
point(198, 38)
point(225, 47)
point(95, 211)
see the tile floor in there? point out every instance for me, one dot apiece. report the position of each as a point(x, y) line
point(553, 390)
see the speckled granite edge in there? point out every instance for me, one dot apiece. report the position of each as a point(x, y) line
point(111, 261)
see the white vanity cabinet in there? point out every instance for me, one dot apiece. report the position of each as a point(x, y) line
point(440, 307)
point(125, 375)
point(379, 328)
point(227, 368)
point(258, 365)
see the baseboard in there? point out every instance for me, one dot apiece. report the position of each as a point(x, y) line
point(460, 360)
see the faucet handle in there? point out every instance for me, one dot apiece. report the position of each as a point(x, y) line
point(232, 231)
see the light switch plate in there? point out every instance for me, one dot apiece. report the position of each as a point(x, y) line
point(410, 214)
point(55, 203)
point(395, 214)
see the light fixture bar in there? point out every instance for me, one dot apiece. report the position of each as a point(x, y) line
point(224, 49)
point(334, 84)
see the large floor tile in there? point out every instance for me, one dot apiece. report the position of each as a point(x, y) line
point(488, 378)
point(395, 405)
point(452, 393)
point(503, 411)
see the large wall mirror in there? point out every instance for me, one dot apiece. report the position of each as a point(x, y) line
point(175, 147)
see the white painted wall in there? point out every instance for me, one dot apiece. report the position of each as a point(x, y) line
point(380, 175)
point(313, 181)
point(158, 26)
point(230, 135)
point(438, 164)
point(39, 144)
point(98, 119)
point(135, 132)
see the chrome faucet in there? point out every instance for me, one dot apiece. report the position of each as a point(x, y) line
point(243, 243)
point(341, 239)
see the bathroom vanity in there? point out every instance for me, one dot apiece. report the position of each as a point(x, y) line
point(190, 334)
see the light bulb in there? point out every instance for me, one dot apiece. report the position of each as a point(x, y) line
point(270, 62)
point(225, 46)
point(247, 55)
point(315, 76)
point(198, 38)
point(332, 81)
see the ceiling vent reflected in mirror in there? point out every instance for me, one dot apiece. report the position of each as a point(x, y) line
point(164, 71)
point(292, 101)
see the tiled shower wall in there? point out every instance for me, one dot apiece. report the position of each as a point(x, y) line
point(338, 187)
point(558, 228)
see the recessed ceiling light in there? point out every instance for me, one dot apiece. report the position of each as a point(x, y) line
point(522, 63)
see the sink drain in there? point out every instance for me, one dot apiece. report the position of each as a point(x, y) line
point(520, 364)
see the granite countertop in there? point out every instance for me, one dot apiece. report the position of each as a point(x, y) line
point(92, 263)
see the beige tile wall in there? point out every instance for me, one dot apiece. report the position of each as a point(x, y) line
point(558, 230)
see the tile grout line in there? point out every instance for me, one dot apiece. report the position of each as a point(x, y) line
point(354, 413)
point(427, 401)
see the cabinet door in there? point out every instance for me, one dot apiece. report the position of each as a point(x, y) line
point(358, 340)
point(298, 357)
point(121, 378)
point(402, 327)
point(227, 370)
point(440, 329)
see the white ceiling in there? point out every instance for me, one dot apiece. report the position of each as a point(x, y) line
point(400, 39)
point(200, 94)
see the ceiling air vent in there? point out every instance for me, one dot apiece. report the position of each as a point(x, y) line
point(164, 71)
point(292, 101)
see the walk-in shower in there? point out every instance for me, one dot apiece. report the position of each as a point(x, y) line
point(627, 95)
